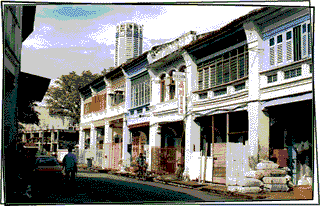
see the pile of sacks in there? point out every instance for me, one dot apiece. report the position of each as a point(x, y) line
point(274, 179)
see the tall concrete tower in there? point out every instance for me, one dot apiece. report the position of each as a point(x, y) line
point(128, 42)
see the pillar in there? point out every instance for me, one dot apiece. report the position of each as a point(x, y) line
point(52, 140)
point(192, 148)
point(82, 140)
point(107, 145)
point(258, 131)
point(125, 142)
point(154, 146)
point(93, 142)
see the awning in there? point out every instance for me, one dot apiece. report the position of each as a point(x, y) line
point(144, 124)
point(222, 110)
point(287, 100)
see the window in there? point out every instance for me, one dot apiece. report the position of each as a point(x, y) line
point(203, 95)
point(172, 86)
point(272, 78)
point(140, 91)
point(279, 49)
point(87, 108)
point(117, 98)
point(309, 40)
point(279, 39)
point(297, 43)
point(222, 69)
point(271, 42)
point(162, 88)
point(239, 87)
point(289, 35)
point(304, 28)
point(292, 73)
point(220, 92)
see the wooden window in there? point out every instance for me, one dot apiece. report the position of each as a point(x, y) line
point(219, 73)
point(279, 49)
point(239, 87)
point(172, 86)
point(272, 78)
point(206, 78)
point(213, 75)
point(271, 51)
point(289, 45)
point(162, 89)
point(304, 45)
point(297, 43)
point(292, 73)
point(309, 40)
point(220, 92)
point(200, 79)
point(226, 67)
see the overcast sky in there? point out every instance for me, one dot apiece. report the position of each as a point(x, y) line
point(82, 37)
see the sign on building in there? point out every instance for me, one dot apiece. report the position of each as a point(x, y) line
point(180, 78)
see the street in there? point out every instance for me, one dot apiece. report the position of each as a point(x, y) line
point(105, 188)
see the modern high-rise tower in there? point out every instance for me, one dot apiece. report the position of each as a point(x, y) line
point(128, 42)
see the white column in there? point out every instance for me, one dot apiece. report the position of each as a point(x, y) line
point(126, 141)
point(154, 144)
point(192, 148)
point(258, 131)
point(155, 91)
point(82, 140)
point(93, 142)
point(82, 108)
point(52, 140)
point(107, 143)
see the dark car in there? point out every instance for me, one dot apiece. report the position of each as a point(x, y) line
point(48, 167)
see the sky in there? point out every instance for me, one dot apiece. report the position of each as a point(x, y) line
point(82, 37)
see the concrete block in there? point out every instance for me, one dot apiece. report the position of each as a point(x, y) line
point(275, 180)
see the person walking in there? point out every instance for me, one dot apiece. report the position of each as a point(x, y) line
point(70, 165)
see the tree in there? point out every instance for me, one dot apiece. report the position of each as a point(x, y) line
point(64, 99)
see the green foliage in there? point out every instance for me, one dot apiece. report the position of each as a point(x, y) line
point(63, 98)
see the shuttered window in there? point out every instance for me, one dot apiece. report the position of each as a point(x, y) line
point(222, 69)
point(162, 89)
point(279, 49)
point(289, 45)
point(297, 43)
point(309, 40)
point(292, 73)
point(140, 91)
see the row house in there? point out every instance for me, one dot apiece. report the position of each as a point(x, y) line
point(102, 120)
point(254, 87)
point(240, 94)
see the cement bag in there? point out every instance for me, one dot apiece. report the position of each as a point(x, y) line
point(305, 181)
point(267, 165)
point(244, 189)
point(249, 182)
point(274, 180)
point(270, 173)
point(276, 187)
point(250, 173)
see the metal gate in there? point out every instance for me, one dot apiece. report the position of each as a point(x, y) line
point(113, 152)
point(219, 163)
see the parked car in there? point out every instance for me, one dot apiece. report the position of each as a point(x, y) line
point(48, 167)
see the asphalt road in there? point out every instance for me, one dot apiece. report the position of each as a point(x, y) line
point(105, 188)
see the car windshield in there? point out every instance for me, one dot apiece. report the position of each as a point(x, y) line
point(46, 161)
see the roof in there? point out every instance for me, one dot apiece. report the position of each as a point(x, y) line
point(231, 26)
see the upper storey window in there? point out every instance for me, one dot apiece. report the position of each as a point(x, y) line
point(293, 44)
point(224, 68)
point(172, 86)
point(162, 88)
point(140, 91)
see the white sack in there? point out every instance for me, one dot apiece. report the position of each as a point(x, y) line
point(244, 189)
point(249, 182)
point(250, 173)
point(267, 165)
point(274, 180)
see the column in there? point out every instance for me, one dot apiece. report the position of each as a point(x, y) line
point(51, 140)
point(258, 133)
point(126, 141)
point(155, 91)
point(93, 142)
point(107, 145)
point(82, 140)
point(192, 148)
point(154, 146)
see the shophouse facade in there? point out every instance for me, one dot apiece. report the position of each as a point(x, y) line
point(238, 98)
point(102, 118)
point(251, 74)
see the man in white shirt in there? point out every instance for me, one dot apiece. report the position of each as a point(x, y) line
point(70, 164)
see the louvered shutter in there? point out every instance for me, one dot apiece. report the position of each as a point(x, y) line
point(206, 78)
point(200, 79)
point(213, 75)
point(304, 46)
point(271, 56)
point(219, 73)
point(279, 53)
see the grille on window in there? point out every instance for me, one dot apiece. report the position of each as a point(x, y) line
point(304, 45)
